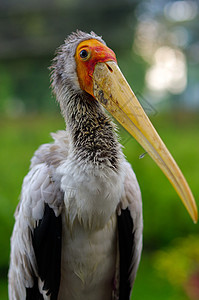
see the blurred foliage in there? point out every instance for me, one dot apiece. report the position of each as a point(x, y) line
point(35, 29)
point(25, 87)
point(150, 286)
point(3, 289)
point(179, 264)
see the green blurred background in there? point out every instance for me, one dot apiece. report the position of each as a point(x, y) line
point(157, 47)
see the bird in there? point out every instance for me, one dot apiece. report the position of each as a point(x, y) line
point(79, 224)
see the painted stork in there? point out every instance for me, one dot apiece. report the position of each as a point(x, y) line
point(78, 229)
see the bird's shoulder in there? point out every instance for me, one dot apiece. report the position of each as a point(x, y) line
point(54, 153)
point(41, 185)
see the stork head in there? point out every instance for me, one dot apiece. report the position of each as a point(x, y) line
point(66, 63)
point(84, 64)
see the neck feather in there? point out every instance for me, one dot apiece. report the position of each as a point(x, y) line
point(93, 136)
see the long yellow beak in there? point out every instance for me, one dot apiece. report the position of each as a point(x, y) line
point(111, 89)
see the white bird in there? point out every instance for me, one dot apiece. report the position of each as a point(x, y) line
point(78, 229)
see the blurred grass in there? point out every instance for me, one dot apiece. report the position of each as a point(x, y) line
point(164, 216)
point(149, 286)
point(3, 289)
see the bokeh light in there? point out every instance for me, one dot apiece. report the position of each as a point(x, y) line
point(180, 11)
point(166, 39)
point(168, 72)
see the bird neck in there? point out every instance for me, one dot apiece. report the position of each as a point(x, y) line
point(93, 136)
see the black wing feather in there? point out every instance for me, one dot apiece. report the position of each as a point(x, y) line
point(46, 240)
point(33, 293)
point(126, 249)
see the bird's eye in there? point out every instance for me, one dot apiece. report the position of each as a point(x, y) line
point(84, 54)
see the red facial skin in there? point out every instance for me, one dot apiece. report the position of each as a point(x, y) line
point(97, 52)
